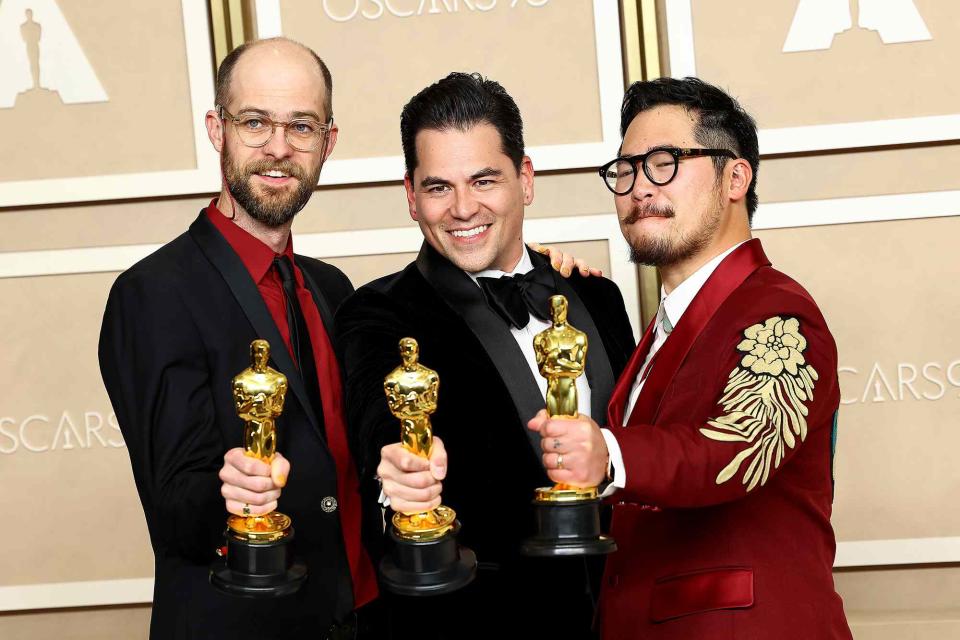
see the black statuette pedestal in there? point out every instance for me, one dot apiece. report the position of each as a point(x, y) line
point(429, 568)
point(568, 529)
point(257, 570)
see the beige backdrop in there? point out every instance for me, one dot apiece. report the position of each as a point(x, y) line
point(379, 64)
point(137, 51)
point(885, 287)
point(739, 44)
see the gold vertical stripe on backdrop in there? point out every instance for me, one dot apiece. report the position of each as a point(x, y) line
point(219, 31)
point(232, 24)
point(641, 61)
point(651, 40)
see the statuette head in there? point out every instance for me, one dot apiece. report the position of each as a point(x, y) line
point(558, 309)
point(409, 351)
point(260, 355)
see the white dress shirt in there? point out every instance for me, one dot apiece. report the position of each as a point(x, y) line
point(671, 309)
point(524, 337)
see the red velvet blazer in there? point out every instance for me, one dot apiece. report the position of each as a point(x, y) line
point(723, 527)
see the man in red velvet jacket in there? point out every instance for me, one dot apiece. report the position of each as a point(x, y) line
point(719, 438)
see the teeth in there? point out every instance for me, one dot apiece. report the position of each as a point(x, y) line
point(275, 174)
point(470, 232)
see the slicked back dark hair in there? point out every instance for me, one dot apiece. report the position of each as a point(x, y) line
point(721, 122)
point(225, 72)
point(461, 101)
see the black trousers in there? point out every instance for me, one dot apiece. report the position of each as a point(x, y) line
point(531, 597)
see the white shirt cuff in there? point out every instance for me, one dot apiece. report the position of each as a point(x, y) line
point(384, 499)
point(615, 464)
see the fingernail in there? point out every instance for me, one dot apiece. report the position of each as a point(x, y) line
point(282, 481)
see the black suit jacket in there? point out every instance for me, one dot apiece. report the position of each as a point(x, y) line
point(487, 394)
point(176, 330)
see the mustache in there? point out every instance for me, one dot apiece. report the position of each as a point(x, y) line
point(263, 166)
point(650, 210)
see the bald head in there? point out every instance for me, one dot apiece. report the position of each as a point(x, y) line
point(274, 55)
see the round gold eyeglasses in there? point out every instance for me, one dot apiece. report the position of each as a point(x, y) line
point(256, 129)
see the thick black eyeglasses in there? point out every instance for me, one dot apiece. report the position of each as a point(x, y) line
point(659, 165)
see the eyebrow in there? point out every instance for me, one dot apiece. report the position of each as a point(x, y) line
point(656, 147)
point(293, 116)
point(431, 181)
point(486, 172)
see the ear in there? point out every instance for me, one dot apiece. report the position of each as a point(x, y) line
point(526, 179)
point(214, 129)
point(411, 196)
point(741, 175)
point(330, 142)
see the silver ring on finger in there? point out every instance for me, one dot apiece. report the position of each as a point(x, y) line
point(559, 461)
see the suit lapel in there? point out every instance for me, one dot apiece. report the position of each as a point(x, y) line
point(618, 399)
point(219, 252)
point(728, 275)
point(465, 297)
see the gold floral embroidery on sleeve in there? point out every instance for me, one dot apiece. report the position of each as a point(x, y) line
point(763, 401)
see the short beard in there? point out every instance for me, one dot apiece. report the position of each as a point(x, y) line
point(272, 209)
point(666, 251)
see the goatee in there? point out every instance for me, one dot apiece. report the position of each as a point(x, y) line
point(670, 248)
point(274, 208)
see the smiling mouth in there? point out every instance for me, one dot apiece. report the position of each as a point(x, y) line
point(469, 233)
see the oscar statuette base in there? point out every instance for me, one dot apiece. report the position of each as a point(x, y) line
point(427, 568)
point(567, 528)
point(258, 569)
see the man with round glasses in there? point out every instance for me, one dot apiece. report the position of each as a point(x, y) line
point(720, 433)
point(178, 328)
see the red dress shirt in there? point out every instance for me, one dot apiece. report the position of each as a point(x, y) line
point(258, 259)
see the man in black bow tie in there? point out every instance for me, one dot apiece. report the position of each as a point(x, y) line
point(474, 299)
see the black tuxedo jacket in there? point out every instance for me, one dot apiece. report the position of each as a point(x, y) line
point(176, 330)
point(487, 394)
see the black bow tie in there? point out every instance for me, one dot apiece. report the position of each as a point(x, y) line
point(514, 298)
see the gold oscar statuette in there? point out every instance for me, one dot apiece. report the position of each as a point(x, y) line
point(567, 516)
point(258, 395)
point(561, 352)
point(258, 561)
point(425, 559)
point(411, 391)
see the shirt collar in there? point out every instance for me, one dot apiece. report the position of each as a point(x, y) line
point(680, 298)
point(523, 266)
point(256, 256)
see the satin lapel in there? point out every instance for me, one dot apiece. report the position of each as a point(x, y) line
point(215, 247)
point(465, 297)
point(599, 372)
point(729, 275)
point(618, 399)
